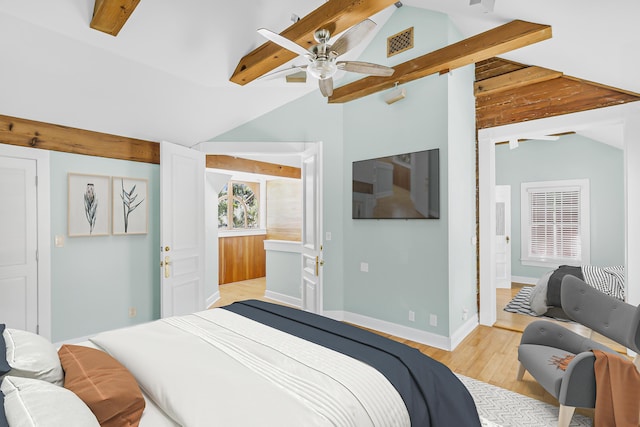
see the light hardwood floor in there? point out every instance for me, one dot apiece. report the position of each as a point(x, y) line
point(488, 354)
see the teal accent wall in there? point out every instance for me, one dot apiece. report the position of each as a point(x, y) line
point(462, 196)
point(571, 157)
point(408, 259)
point(95, 280)
point(283, 273)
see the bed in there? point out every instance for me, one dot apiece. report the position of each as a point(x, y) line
point(545, 296)
point(251, 363)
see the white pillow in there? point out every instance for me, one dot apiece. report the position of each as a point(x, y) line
point(32, 356)
point(35, 403)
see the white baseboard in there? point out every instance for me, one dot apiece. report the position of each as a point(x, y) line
point(464, 330)
point(394, 329)
point(289, 300)
point(525, 280)
point(212, 299)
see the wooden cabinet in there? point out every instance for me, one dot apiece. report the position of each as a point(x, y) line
point(241, 258)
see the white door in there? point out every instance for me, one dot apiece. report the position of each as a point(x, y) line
point(503, 236)
point(182, 230)
point(18, 244)
point(311, 231)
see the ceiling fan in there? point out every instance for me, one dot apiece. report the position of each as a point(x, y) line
point(322, 57)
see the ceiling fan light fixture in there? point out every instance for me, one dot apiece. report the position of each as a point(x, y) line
point(323, 68)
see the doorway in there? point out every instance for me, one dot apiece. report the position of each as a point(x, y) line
point(624, 119)
point(308, 157)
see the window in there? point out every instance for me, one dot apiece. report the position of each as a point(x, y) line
point(245, 202)
point(555, 223)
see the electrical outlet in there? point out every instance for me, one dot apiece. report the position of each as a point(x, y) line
point(412, 316)
point(133, 312)
point(433, 320)
point(465, 313)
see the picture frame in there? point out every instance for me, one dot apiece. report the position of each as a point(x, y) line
point(88, 201)
point(130, 212)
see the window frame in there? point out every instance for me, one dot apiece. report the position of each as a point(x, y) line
point(226, 232)
point(582, 186)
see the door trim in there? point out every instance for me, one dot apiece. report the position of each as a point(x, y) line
point(625, 116)
point(42, 160)
point(282, 151)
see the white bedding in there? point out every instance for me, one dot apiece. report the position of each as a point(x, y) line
point(152, 415)
point(216, 365)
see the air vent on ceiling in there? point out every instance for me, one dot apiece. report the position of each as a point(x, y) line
point(400, 42)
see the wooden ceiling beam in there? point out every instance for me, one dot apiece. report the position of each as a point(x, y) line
point(514, 80)
point(109, 16)
point(251, 166)
point(47, 136)
point(505, 38)
point(334, 15)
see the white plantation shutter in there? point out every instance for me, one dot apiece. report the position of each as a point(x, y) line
point(555, 222)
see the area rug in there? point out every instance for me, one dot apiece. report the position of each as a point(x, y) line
point(499, 407)
point(520, 305)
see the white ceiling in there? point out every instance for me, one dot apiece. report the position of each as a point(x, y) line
point(166, 75)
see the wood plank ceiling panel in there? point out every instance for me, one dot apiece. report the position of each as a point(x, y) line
point(562, 95)
point(514, 80)
point(505, 38)
point(109, 16)
point(334, 15)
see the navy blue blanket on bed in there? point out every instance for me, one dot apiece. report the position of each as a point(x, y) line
point(434, 396)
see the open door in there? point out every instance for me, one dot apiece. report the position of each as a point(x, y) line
point(503, 236)
point(182, 229)
point(311, 230)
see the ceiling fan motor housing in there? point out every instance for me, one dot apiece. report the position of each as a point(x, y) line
point(322, 63)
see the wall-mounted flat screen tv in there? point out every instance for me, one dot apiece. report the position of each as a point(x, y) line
point(401, 186)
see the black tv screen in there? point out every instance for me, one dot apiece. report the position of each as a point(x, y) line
point(402, 186)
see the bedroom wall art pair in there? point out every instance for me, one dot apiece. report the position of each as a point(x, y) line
point(99, 205)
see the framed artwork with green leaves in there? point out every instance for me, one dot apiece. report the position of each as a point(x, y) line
point(130, 205)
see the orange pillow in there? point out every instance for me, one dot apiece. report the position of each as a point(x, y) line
point(105, 386)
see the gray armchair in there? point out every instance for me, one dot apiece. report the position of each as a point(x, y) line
point(543, 341)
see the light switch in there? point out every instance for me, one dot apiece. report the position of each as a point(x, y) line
point(364, 267)
point(327, 235)
point(59, 241)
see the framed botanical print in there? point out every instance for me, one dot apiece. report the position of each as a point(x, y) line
point(130, 205)
point(89, 198)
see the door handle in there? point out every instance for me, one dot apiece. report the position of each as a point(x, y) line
point(507, 239)
point(319, 262)
point(165, 264)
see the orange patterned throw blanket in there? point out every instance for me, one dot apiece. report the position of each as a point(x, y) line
point(617, 389)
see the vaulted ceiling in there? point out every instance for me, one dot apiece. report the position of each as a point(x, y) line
point(165, 76)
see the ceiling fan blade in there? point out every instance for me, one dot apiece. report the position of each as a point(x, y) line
point(326, 86)
point(284, 72)
point(284, 42)
point(365, 68)
point(353, 36)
